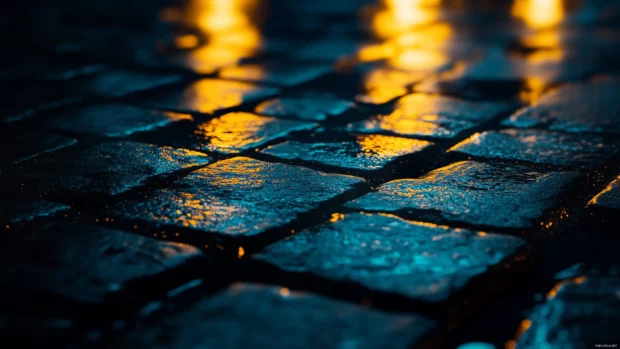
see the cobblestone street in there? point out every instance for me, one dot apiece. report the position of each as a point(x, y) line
point(346, 174)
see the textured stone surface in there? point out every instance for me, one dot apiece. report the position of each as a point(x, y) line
point(473, 192)
point(27, 144)
point(609, 197)
point(580, 313)
point(582, 107)
point(538, 146)
point(83, 262)
point(384, 253)
point(237, 318)
point(26, 210)
point(238, 196)
point(210, 95)
point(382, 84)
point(430, 115)
point(115, 83)
point(235, 132)
point(110, 168)
point(113, 120)
point(307, 106)
point(363, 152)
point(285, 74)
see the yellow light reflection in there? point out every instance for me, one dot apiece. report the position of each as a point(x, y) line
point(539, 14)
point(396, 16)
point(209, 95)
point(233, 131)
point(229, 28)
point(387, 146)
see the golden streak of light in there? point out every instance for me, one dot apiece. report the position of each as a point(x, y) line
point(396, 16)
point(241, 252)
point(533, 89)
point(336, 217)
point(607, 189)
point(539, 14)
point(388, 146)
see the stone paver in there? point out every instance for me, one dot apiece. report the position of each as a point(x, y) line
point(116, 83)
point(477, 193)
point(310, 105)
point(28, 144)
point(421, 261)
point(209, 95)
point(236, 132)
point(580, 313)
point(582, 107)
point(113, 120)
point(609, 197)
point(538, 146)
point(238, 197)
point(285, 74)
point(236, 318)
point(109, 168)
point(26, 210)
point(363, 152)
point(430, 115)
point(83, 262)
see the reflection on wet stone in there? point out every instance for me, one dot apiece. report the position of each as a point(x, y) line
point(209, 95)
point(363, 152)
point(109, 168)
point(113, 120)
point(421, 261)
point(579, 313)
point(26, 210)
point(236, 132)
point(83, 262)
point(235, 318)
point(583, 107)
point(284, 73)
point(310, 105)
point(483, 194)
point(431, 115)
point(609, 197)
point(238, 196)
point(538, 146)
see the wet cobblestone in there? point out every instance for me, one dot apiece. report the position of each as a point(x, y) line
point(343, 174)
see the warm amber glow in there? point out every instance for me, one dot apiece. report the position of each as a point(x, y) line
point(388, 146)
point(208, 95)
point(229, 28)
point(554, 291)
point(233, 131)
point(241, 252)
point(396, 16)
point(607, 189)
point(533, 89)
point(539, 13)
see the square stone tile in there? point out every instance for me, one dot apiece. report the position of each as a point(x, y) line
point(84, 263)
point(236, 132)
point(110, 168)
point(277, 73)
point(430, 115)
point(236, 318)
point(309, 105)
point(420, 261)
point(538, 146)
point(238, 197)
point(581, 107)
point(477, 193)
point(209, 95)
point(113, 120)
point(362, 152)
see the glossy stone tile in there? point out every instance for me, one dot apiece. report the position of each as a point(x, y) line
point(18, 211)
point(609, 197)
point(26, 144)
point(116, 83)
point(236, 132)
point(82, 262)
point(238, 197)
point(430, 115)
point(477, 193)
point(113, 120)
point(236, 318)
point(283, 74)
point(363, 152)
point(579, 313)
point(210, 95)
point(581, 107)
point(382, 84)
point(538, 146)
point(421, 261)
point(309, 105)
point(109, 168)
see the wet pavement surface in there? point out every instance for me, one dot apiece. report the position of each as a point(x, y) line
point(300, 174)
